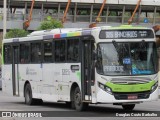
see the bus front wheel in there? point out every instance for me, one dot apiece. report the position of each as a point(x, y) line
point(79, 105)
point(128, 107)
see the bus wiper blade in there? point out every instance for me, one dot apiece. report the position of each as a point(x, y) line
point(116, 45)
point(143, 44)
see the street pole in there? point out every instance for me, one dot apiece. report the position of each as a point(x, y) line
point(4, 17)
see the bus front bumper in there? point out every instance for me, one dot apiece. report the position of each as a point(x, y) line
point(104, 97)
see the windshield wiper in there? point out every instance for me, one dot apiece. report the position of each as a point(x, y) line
point(116, 46)
point(142, 44)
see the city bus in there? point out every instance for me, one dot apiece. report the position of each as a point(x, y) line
point(101, 65)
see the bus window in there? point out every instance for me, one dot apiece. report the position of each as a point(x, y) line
point(73, 50)
point(48, 52)
point(24, 53)
point(7, 54)
point(36, 52)
point(60, 51)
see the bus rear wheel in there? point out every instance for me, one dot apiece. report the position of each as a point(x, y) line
point(28, 95)
point(79, 105)
point(128, 107)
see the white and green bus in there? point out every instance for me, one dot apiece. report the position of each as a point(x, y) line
point(116, 65)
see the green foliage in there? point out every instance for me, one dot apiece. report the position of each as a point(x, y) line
point(113, 13)
point(50, 23)
point(15, 33)
point(83, 12)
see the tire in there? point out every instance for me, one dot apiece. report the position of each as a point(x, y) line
point(68, 104)
point(128, 107)
point(28, 95)
point(79, 105)
point(72, 104)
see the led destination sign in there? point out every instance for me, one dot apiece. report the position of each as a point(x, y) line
point(126, 34)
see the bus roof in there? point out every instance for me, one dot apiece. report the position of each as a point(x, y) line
point(68, 32)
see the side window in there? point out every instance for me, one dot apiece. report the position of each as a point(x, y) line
point(60, 55)
point(73, 50)
point(7, 54)
point(24, 53)
point(36, 52)
point(48, 52)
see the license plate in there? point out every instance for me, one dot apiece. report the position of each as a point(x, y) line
point(132, 97)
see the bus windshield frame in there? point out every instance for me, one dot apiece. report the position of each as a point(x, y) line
point(126, 58)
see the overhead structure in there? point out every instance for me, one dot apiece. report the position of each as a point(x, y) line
point(66, 11)
point(135, 10)
point(4, 18)
point(98, 17)
point(26, 24)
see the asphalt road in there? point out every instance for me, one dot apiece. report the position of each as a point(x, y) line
point(62, 112)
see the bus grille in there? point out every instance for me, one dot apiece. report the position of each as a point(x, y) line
point(124, 96)
point(131, 80)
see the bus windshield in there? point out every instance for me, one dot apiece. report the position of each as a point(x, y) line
point(133, 58)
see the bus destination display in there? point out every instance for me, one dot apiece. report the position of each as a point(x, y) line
point(126, 34)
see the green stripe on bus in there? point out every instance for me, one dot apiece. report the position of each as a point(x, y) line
point(130, 88)
point(127, 27)
point(70, 34)
point(79, 75)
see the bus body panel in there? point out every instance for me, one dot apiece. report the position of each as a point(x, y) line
point(68, 77)
point(34, 73)
point(49, 86)
point(63, 83)
point(23, 77)
point(7, 79)
point(56, 83)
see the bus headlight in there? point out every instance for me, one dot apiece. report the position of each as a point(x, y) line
point(105, 88)
point(154, 87)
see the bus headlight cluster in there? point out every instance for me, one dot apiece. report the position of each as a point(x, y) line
point(154, 87)
point(105, 88)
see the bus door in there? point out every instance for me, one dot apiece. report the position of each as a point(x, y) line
point(87, 67)
point(15, 79)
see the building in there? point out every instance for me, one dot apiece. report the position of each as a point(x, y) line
point(81, 12)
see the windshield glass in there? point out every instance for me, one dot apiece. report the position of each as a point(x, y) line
point(132, 58)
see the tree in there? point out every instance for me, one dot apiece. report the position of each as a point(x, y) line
point(15, 33)
point(50, 23)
